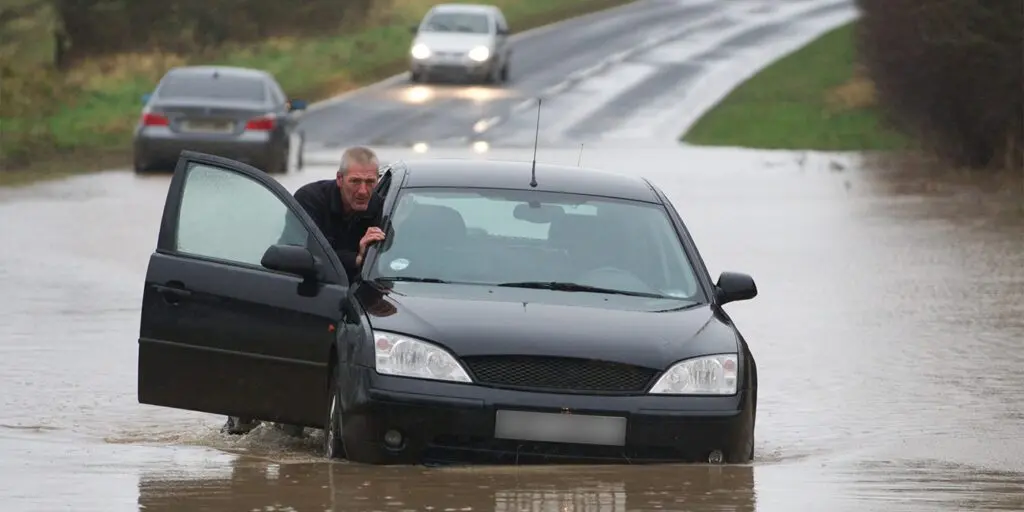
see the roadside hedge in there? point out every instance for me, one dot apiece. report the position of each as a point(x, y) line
point(949, 72)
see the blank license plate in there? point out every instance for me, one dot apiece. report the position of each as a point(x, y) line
point(560, 428)
point(208, 126)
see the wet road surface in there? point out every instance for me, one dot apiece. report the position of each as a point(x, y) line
point(597, 73)
point(888, 333)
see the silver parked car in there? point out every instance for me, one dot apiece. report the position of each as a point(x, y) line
point(233, 112)
point(468, 41)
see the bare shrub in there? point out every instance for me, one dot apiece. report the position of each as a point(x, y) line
point(950, 72)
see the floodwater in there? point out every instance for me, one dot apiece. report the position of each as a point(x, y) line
point(889, 333)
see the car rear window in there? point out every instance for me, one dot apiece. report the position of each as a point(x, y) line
point(210, 87)
point(464, 22)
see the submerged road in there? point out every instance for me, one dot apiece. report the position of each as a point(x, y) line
point(888, 330)
point(607, 74)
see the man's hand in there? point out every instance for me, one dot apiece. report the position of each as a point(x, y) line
point(372, 235)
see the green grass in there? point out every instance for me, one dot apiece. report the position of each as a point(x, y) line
point(99, 117)
point(812, 99)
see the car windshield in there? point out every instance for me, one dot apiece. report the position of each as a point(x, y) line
point(206, 86)
point(464, 22)
point(535, 239)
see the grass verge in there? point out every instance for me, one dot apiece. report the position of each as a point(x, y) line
point(815, 98)
point(93, 126)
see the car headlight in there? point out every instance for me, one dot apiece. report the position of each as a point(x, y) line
point(480, 53)
point(407, 357)
point(420, 51)
point(708, 375)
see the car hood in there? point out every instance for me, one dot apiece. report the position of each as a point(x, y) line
point(473, 320)
point(449, 42)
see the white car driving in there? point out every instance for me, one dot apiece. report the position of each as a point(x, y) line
point(461, 41)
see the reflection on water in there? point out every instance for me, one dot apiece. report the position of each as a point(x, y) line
point(932, 483)
point(421, 94)
point(609, 499)
point(270, 486)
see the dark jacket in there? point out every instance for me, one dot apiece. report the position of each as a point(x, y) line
point(322, 201)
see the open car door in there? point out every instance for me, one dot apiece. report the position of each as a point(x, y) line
point(243, 299)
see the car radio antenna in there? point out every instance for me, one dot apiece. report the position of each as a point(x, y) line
point(536, 138)
point(580, 159)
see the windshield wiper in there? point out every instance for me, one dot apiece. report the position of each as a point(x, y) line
point(575, 287)
point(413, 279)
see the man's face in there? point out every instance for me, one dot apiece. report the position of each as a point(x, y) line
point(356, 186)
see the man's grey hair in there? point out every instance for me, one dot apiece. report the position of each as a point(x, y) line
point(360, 155)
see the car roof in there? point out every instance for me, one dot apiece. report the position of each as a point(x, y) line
point(222, 70)
point(464, 173)
point(477, 8)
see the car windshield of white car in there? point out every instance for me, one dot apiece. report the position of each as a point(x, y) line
point(468, 23)
point(535, 239)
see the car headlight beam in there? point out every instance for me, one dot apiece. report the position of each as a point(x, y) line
point(480, 53)
point(404, 356)
point(707, 375)
point(420, 51)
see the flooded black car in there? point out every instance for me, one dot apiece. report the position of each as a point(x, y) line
point(503, 320)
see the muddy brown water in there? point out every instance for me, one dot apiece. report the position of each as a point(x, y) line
point(889, 333)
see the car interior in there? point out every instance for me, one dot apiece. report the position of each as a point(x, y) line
point(433, 241)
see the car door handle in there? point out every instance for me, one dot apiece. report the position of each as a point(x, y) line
point(172, 292)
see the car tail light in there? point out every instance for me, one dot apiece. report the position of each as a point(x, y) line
point(260, 124)
point(151, 119)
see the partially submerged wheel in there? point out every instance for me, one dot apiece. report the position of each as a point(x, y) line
point(334, 446)
point(141, 164)
point(742, 450)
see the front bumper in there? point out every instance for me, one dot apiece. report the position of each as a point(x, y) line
point(465, 68)
point(447, 422)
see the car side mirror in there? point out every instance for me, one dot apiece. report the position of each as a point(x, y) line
point(734, 286)
point(294, 105)
point(291, 259)
point(414, 29)
point(146, 97)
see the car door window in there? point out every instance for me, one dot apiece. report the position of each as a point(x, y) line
point(230, 217)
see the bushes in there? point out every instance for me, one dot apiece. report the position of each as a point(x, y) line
point(950, 73)
point(28, 95)
point(102, 27)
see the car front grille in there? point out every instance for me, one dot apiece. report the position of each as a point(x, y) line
point(559, 374)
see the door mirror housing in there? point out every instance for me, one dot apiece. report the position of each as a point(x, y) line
point(733, 287)
point(414, 29)
point(146, 97)
point(294, 105)
point(292, 259)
